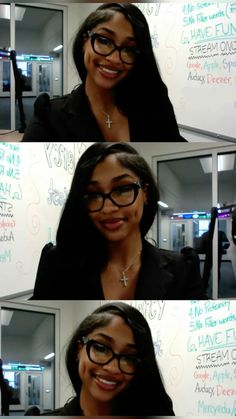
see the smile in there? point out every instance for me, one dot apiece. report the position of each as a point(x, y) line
point(108, 72)
point(105, 383)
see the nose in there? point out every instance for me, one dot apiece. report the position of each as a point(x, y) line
point(109, 206)
point(114, 57)
point(112, 366)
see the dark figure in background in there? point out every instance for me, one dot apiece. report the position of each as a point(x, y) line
point(6, 393)
point(223, 245)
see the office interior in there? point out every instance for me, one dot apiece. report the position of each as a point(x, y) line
point(35, 335)
point(42, 35)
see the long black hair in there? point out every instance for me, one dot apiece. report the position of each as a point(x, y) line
point(145, 394)
point(76, 232)
point(142, 94)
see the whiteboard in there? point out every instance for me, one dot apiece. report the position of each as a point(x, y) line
point(34, 183)
point(195, 47)
point(195, 346)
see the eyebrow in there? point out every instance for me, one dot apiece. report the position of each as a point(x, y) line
point(111, 32)
point(115, 179)
point(111, 340)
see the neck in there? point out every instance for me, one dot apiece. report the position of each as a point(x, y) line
point(122, 253)
point(99, 98)
point(93, 407)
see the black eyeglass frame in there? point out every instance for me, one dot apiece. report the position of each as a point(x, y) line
point(93, 36)
point(136, 186)
point(89, 342)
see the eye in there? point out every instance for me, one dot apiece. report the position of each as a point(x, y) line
point(100, 348)
point(90, 196)
point(103, 41)
point(123, 190)
point(130, 360)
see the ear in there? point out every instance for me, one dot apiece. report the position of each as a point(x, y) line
point(85, 40)
point(79, 348)
point(145, 194)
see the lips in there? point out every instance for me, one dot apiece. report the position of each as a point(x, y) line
point(106, 383)
point(112, 224)
point(108, 72)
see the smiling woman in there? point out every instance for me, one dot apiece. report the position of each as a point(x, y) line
point(112, 366)
point(121, 83)
point(101, 251)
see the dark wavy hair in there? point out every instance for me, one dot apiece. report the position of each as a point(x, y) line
point(146, 394)
point(143, 87)
point(76, 231)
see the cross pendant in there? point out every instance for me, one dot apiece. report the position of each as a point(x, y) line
point(109, 122)
point(124, 279)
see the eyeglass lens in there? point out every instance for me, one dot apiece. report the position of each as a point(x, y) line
point(102, 354)
point(122, 196)
point(105, 46)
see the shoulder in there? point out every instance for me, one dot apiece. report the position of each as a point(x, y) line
point(71, 408)
point(163, 256)
point(44, 103)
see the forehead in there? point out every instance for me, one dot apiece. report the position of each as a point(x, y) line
point(116, 330)
point(118, 24)
point(109, 169)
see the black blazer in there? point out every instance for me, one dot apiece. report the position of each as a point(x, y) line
point(163, 275)
point(72, 408)
point(69, 118)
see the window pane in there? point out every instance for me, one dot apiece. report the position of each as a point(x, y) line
point(27, 337)
point(227, 202)
point(38, 32)
point(186, 187)
point(5, 122)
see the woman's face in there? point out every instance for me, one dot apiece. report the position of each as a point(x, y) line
point(106, 72)
point(101, 383)
point(116, 223)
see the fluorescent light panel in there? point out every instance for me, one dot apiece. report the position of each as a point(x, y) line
point(49, 356)
point(5, 12)
point(58, 48)
point(225, 162)
point(6, 316)
point(162, 204)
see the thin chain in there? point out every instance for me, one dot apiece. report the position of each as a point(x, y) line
point(124, 279)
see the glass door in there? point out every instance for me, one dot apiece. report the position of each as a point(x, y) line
point(27, 352)
point(34, 390)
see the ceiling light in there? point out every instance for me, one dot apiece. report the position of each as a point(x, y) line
point(6, 316)
point(49, 356)
point(225, 162)
point(58, 48)
point(5, 12)
point(162, 204)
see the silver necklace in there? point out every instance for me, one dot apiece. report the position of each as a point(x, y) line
point(124, 279)
point(108, 120)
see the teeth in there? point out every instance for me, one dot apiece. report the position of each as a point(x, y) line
point(107, 381)
point(109, 70)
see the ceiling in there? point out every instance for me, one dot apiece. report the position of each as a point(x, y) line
point(189, 171)
point(23, 323)
point(35, 19)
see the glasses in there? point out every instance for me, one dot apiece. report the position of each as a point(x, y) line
point(121, 196)
point(101, 354)
point(104, 46)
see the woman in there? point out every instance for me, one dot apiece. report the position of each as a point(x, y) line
point(101, 251)
point(112, 366)
point(122, 96)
